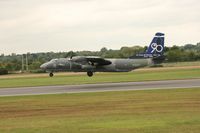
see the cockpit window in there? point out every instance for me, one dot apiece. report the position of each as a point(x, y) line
point(54, 60)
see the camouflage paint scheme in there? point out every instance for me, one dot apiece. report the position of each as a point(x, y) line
point(91, 64)
point(116, 65)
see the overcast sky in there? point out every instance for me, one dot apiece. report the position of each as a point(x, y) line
point(64, 25)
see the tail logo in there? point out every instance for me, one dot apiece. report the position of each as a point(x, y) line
point(156, 47)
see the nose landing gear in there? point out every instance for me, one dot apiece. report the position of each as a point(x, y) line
point(51, 74)
point(90, 73)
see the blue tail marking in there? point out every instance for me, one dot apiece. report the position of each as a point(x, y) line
point(156, 47)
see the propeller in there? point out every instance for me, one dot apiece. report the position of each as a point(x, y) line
point(70, 55)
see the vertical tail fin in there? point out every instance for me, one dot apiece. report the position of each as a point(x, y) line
point(156, 48)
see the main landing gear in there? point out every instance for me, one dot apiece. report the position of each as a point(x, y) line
point(51, 74)
point(90, 73)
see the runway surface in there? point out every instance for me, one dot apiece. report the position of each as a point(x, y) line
point(147, 85)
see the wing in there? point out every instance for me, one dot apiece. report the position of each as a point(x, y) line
point(92, 60)
point(98, 61)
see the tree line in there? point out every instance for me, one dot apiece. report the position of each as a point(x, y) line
point(13, 62)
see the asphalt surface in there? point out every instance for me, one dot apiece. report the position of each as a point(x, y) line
point(147, 85)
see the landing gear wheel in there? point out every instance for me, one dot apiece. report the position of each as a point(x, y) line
point(50, 74)
point(90, 74)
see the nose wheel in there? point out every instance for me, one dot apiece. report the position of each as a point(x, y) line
point(90, 74)
point(50, 74)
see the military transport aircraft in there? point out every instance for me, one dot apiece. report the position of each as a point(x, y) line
point(91, 64)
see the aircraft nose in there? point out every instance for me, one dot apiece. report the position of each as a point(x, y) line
point(43, 66)
point(47, 66)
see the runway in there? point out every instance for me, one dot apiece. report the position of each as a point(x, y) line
point(147, 85)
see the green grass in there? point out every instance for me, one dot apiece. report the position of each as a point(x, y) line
point(181, 64)
point(152, 111)
point(101, 78)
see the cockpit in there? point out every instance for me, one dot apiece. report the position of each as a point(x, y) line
point(53, 60)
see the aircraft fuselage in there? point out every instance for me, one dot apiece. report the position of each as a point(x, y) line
point(117, 65)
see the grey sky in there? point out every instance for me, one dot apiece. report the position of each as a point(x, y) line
point(63, 25)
